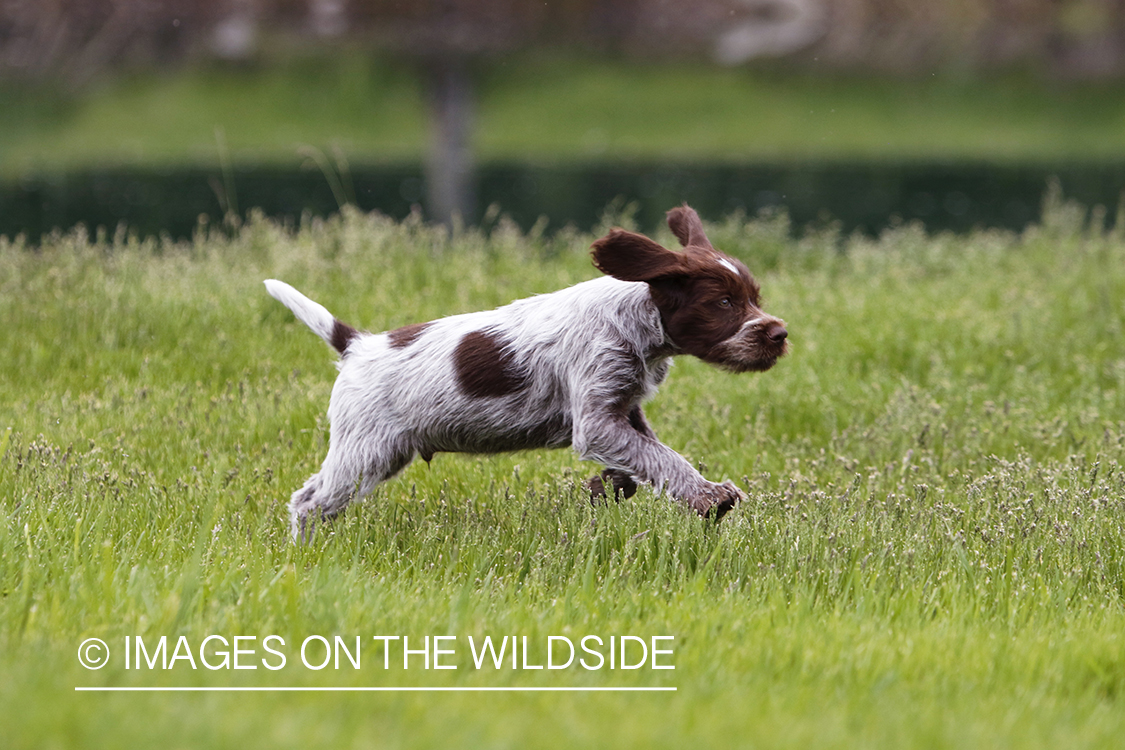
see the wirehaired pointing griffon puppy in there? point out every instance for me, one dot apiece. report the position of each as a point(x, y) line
point(567, 368)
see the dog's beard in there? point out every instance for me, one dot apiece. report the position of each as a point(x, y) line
point(752, 352)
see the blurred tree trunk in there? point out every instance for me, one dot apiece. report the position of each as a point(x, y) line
point(450, 192)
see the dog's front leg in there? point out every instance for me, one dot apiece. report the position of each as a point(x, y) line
point(623, 442)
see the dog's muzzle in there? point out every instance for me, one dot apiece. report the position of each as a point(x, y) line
point(756, 347)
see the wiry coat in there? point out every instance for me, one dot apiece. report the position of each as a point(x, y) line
point(567, 368)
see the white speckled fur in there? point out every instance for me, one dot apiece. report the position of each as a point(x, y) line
point(390, 404)
point(584, 358)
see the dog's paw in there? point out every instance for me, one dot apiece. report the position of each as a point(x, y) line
point(622, 484)
point(714, 500)
point(307, 513)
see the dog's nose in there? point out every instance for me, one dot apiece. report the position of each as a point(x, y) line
point(777, 333)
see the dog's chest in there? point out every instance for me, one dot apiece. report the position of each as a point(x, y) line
point(655, 372)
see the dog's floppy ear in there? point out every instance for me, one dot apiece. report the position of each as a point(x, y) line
point(687, 226)
point(633, 257)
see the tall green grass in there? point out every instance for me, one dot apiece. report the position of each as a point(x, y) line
point(930, 554)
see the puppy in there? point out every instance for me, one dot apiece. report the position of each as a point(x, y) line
point(569, 368)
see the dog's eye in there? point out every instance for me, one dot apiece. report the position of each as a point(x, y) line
point(725, 302)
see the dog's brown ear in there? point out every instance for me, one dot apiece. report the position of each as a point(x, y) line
point(633, 257)
point(687, 226)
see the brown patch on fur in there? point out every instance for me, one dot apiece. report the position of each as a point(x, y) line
point(403, 337)
point(342, 335)
point(485, 367)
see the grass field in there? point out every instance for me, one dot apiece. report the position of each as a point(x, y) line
point(930, 554)
point(541, 107)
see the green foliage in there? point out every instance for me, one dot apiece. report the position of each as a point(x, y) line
point(930, 553)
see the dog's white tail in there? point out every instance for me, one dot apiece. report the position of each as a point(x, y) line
point(323, 323)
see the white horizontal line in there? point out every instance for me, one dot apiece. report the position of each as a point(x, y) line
point(252, 689)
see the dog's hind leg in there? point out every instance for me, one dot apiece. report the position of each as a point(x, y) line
point(344, 476)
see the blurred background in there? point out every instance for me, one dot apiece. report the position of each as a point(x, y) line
point(160, 115)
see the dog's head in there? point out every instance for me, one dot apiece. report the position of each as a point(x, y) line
point(709, 303)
